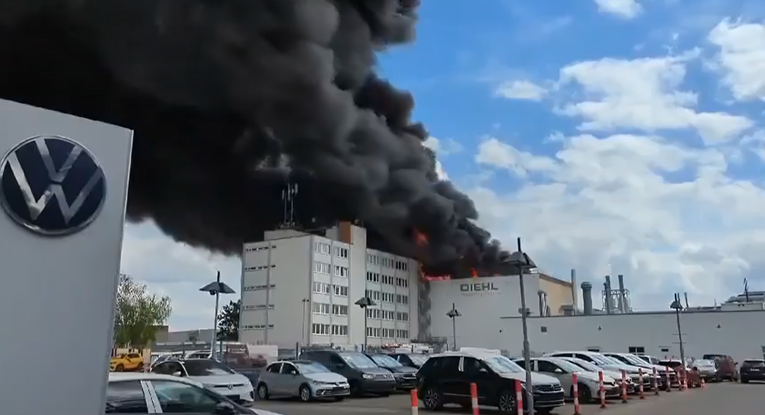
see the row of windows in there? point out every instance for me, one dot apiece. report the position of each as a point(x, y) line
point(387, 333)
point(259, 267)
point(329, 329)
point(387, 262)
point(257, 327)
point(324, 288)
point(325, 248)
point(259, 287)
point(387, 279)
point(387, 314)
point(324, 268)
point(388, 297)
point(259, 248)
point(258, 307)
point(324, 308)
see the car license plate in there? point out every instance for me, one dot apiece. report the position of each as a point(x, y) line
point(755, 370)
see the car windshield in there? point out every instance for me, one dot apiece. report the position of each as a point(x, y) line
point(206, 367)
point(583, 364)
point(705, 362)
point(604, 360)
point(501, 364)
point(385, 361)
point(566, 365)
point(419, 359)
point(635, 360)
point(358, 360)
point(308, 368)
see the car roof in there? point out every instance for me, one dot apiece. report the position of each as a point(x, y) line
point(480, 355)
point(303, 361)
point(584, 352)
point(128, 376)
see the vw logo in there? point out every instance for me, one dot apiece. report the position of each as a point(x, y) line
point(51, 185)
point(230, 386)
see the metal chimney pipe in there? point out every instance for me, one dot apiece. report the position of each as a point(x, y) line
point(686, 300)
point(587, 298)
point(574, 297)
point(622, 297)
point(609, 299)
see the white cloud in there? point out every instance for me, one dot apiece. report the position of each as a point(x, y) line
point(627, 9)
point(521, 90)
point(741, 57)
point(669, 217)
point(643, 94)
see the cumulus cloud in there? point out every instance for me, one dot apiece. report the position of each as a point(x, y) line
point(521, 90)
point(741, 57)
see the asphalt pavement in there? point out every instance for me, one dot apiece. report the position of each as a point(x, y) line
point(716, 399)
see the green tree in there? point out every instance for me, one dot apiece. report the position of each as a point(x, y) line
point(228, 321)
point(138, 314)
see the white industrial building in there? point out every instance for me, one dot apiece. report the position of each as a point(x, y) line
point(301, 288)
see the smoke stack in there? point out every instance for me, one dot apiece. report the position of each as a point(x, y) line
point(609, 300)
point(541, 295)
point(573, 289)
point(587, 298)
point(622, 297)
point(686, 299)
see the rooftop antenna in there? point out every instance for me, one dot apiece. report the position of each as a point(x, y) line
point(288, 202)
point(746, 290)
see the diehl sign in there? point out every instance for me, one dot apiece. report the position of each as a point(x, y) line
point(479, 288)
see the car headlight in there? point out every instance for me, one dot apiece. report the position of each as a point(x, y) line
point(367, 376)
point(208, 385)
point(318, 382)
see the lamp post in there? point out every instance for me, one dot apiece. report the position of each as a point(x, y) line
point(305, 302)
point(523, 262)
point(364, 303)
point(678, 307)
point(453, 314)
point(216, 288)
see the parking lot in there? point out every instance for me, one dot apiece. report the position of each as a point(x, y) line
point(716, 399)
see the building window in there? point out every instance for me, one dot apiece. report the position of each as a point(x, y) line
point(259, 287)
point(259, 267)
point(341, 271)
point(321, 268)
point(258, 307)
point(339, 310)
point(322, 288)
point(322, 329)
point(321, 308)
point(665, 349)
point(341, 252)
point(259, 248)
point(257, 327)
point(339, 330)
point(637, 349)
point(321, 247)
point(340, 290)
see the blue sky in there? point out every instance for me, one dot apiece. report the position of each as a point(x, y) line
point(613, 136)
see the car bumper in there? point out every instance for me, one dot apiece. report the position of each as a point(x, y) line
point(331, 391)
point(405, 383)
point(614, 391)
point(379, 386)
point(752, 375)
point(549, 399)
point(241, 395)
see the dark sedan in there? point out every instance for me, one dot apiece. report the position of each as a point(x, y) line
point(752, 369)
point(415, 360)
point(406, 377)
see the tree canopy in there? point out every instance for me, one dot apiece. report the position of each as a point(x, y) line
point(228, 321)
point(138, 314)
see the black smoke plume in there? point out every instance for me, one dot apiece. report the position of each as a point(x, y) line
point(232, 99)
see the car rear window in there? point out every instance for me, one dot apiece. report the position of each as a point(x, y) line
point(754, 363)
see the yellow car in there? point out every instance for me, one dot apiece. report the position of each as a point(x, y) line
point(126, 363)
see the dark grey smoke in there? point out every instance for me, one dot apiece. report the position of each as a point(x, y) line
point(231, 99)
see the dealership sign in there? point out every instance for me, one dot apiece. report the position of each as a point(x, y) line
point(479, 289)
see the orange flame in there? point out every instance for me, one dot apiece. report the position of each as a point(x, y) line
point(420, 238)
point(473, 273)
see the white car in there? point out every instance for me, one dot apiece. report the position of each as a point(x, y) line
point(303, 379)
point(213, 375)
point(563, 370)
point(150, 393)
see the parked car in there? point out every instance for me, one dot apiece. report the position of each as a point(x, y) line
point(617, 376)
point(126, 362)
point(707, 370)
point(406, 377)
point(415, 360)
point(303, 379)
point(363, 374)
point(649, 359)
point(752, 369)
point(445, 379)
point(563, 370)
point(727, 368)
point(663, 377)
point(606, 363)
point(213, 375)
point(150, 393)
point(692, 378)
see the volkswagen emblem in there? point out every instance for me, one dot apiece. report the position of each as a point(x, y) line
point(230, 386)
point(51, 185)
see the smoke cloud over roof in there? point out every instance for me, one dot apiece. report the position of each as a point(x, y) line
point(232, 99)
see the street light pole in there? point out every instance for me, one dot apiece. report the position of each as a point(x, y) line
point(216, 288)
point(678, 306)
point(453, 314)
point(523, 261)
point(305, 302)
point(364, 303)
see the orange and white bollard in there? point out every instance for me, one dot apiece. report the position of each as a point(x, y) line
point(602, 390)
point(624, 386)
point(684, 384)
point(575, 387)
point(415, 403)
point(642, 389)
point(518, 397)
point(474, 398)
point(703, 384)
point(669, 379)
point(656, 383)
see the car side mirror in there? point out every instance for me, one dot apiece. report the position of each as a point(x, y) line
point(178, 373)
point(340, 365)
point(293, 373)
point(559, 370)
point(483, 370)
point(224, 408)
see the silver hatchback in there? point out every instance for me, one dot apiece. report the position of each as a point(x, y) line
point(303, 379)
